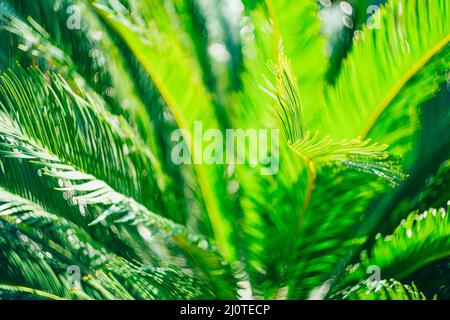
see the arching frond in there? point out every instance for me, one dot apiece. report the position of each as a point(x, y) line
point(84, 189)
point(413, 36)
point(381, 290)
point(297, 26)
point(91, 141)
point(418, 241)
point(188, 102)
point(8, 292)
point(93, 261)
point(92, 67)
point(355, 153)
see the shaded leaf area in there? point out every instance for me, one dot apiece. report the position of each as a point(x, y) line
point(341, 38)
point(420, 190)
point(433, 280)
point(302, 42)
point(117, 280)
point(428, 186)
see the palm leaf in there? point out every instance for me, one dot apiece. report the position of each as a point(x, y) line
point(355, 153)
point(297, 27)
point(339, 206)
point(418, 241)
point(53, 50)
point(271, 205)
point(95, 199)
point(382, 290)
point(192, 92)
point(95, 262)
point(411, 39)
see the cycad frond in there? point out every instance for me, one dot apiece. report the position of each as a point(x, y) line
point(412, 38)
point(185, 95)
point(95, 198)
point(50, 112)
point(355, 153)
point(381, 290)
point(270, 214)
point(419, 240)
point(297, 25)
point(83, 189)
point(95, 263)
point(326, 240)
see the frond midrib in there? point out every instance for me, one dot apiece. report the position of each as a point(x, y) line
point(219, 225)
point(29, 290)
point(402, 82)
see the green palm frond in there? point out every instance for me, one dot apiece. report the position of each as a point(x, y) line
point(419, 240)
point(326, 241)
point(25, 95)
point(269, 215)
point(150, 51)
point(25, 261)
point(412, 39)
point(118, 279)
point(63, 233)
point(94, 199)
point(17, 292)
point(432, 193)
point(81, 58)
point(382, 290)
point(83, 189)
point(355, 153)
point(304, 45)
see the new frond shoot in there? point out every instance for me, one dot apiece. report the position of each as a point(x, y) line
point(357, 154)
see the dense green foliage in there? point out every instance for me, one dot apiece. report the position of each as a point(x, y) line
point(92, 206)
